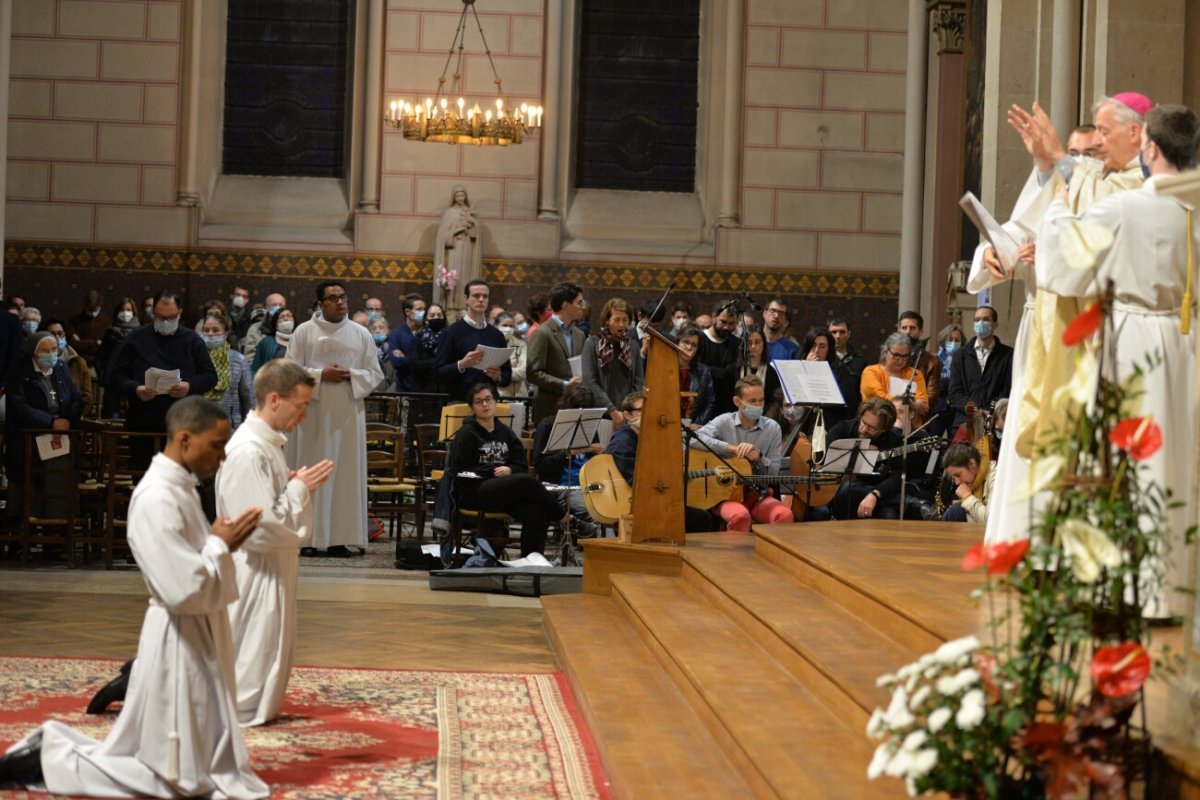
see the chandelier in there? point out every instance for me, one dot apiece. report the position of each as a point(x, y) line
point(442, 119)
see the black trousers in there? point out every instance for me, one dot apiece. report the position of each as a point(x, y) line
point(845, 504)
point(522, 497)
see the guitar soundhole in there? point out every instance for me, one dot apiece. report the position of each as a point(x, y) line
point(725, 480)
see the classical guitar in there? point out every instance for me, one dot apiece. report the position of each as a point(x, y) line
point(606, 495)
point(711, 482)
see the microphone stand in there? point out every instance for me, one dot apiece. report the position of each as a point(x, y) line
point(910, 405)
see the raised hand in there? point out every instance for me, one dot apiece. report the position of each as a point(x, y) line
point(235, 531)
point(315, 476)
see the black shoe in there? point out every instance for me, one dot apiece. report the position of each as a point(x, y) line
point(338, 551)
point(308, 552)
point(111, 692)
point(23, 766)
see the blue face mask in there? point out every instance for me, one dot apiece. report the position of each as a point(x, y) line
point(166, 327)
point(419, 316)
point(952, 347)
point(372, 315)
point(752, 413)
point(524, 326)
point(379, 338)
point(47, 360)
point(31, 325)
point(62, 346)
point(983, 328)
point(213, 342)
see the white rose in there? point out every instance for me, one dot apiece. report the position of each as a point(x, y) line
point(951, 651)
point(947, 685)
point(899, 765)
point(919, 697)
point(923, 763)
point(965, 678)
point(914, 740)
point(971, 712)
point(938, 719)
point(883, 754)
point(875, 724)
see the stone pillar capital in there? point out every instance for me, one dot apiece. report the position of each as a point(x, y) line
point(949, 21)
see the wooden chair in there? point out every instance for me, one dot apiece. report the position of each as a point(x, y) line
point(50, 496)
point(119, 478)
point(382, 407)
point(455, 414)
point(389, 495)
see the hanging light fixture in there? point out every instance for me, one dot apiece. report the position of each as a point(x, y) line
point(449, 119)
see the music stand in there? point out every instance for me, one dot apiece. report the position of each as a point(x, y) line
point(850, 457)
point(576, 429)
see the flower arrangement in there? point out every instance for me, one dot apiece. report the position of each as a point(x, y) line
point(447, 279)
point(1049, 707)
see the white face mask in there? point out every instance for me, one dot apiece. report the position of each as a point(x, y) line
point(125, 316)
point(507, 330)
point(285, 326)
point(239, 302)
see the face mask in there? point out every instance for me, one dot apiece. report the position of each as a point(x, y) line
point(166, 327)
point(285, 326)
point(47, 360)
point(507, 330)
point(372, 315)
point(213, 342)
point(791, 413)
point(752, 413)
point(149, 311)
point(437, 324)
point(680, 323)
point(952, 347)
point(1142, 163)
point(636, 423)
point(999, 433)
point(272, 310)
point(983, 328)
point(379, 338)
point(238, 302)
point(125, 316)
point(62, 345)
point(524, 326)
point(95, 312)
point(419, 316)
point(31, 325)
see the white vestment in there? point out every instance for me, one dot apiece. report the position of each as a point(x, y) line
point(1148, 266)
point(336, 427)
point(1010, 520)
point(263, 619)
point(182, 683)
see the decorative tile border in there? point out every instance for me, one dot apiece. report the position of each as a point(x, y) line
point(384, 270)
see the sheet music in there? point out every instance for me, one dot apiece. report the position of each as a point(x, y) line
point(898, 386)
point(577, 428)
point(808, 382)
point(1004, 245)
point(161, 380)
point(576, 363)
point(837, 457)
point(493, 356)
point(329, 351)
point(52, 445)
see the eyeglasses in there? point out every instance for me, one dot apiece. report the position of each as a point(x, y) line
point(774, 311)
point(870, 428)
point(483, 401)
point(894, 354)
point(334, 298)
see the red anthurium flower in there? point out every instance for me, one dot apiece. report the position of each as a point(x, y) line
point(1044, 735)
point(1084, 325)
point(1140, 437)
point(999, 558)
point(1120, 669)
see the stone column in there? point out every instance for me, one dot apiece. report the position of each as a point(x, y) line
point(549, 199)
point(1064, 67)
point(188, 186)
point(731, 144)
point(949, 132)
point(914, 155)
point(372, 110)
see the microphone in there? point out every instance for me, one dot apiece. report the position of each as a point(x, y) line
point(753, 305)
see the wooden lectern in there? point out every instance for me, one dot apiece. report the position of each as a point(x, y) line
point(658, 478)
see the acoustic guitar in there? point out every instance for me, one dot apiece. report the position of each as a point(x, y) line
point(712, 482)
point(607, 496)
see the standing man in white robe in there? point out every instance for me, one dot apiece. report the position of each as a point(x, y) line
point(177, 734)
point(1116, 140)
point(255, 473)
point(341, 357)
point(1148, 265)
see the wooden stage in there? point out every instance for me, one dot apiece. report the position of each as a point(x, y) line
point(744, 666)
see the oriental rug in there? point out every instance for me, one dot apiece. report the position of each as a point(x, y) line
point(366, 733)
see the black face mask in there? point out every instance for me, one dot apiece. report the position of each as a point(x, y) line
point(435, 325)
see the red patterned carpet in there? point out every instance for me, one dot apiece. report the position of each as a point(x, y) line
point(358, 733)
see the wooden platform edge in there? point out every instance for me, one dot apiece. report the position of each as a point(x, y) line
point(603, 558)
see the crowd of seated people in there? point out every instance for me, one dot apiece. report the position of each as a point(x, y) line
point(560, 359)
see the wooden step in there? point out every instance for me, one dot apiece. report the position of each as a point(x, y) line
point(820, 642)
point(783, 740)
point(651, 743)
point(904, 578)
